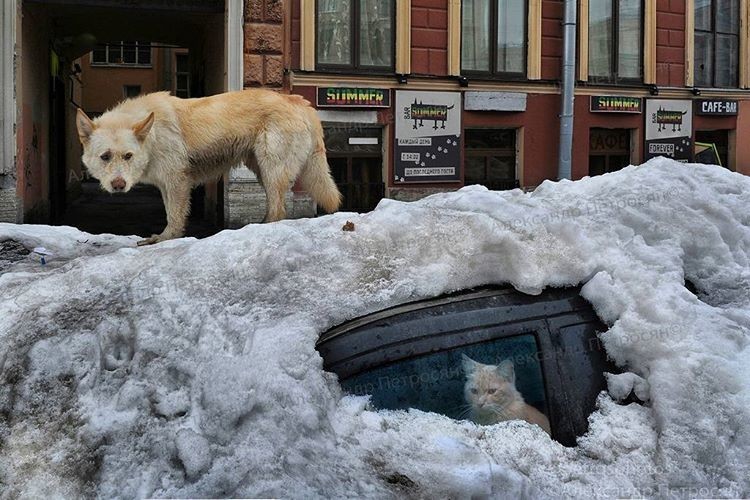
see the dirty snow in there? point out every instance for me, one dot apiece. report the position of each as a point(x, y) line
point(188, 369)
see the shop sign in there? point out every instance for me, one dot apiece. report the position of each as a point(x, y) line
point(353, 97)
point(615, 104)
point(717, 107)
point(669, 129)
point(609, 141)
point(495, 101)
point(428, 136)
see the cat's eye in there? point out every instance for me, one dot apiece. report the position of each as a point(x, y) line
point(127, 156)
point(491, 391)
point(474, 390)
point(106, 156)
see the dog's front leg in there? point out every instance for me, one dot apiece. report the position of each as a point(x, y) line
point(177, 204)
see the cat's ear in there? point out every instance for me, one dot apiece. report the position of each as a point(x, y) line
point(507, 371)
point(468, 364)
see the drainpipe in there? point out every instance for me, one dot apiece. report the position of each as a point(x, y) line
point(568, 91)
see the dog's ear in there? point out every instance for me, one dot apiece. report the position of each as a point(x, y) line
point(142, 128)
point(85, 126)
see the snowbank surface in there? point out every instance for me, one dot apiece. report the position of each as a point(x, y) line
point(188, 369)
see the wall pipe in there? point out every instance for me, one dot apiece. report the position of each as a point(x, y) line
point(568, 91)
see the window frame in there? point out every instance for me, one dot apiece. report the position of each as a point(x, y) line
point(493, 73)
point(614, 78)
point(354, 29)
point(138, 44)
point(487, 153)
point(714, 36)
point(178, 73)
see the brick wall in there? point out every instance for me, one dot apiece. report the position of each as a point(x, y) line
point(429, 37)
point(552, 39)
point(295, 28)
point(264, 43)
point(670, 43)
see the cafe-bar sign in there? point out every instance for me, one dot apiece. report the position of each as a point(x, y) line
point(353, 97)
point(616, 104)
point(717, 107)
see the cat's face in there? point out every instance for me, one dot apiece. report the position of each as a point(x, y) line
point(489, 387)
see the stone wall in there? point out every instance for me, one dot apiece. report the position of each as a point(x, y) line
point(264, 43)
point(264, 47)
point(414, 193)
point(9, 203)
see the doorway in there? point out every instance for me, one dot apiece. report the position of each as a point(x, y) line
point(355, 157)
point(62, 34)
point(609, 150)
point(718, 142)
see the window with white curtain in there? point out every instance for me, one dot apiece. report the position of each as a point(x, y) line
point(717, 45)
point(615, 40)
point(493, 36)
point(355, 34)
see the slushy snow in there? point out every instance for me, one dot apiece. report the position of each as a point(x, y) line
point(188, 369)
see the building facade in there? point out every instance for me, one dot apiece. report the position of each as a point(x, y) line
point(653, 78)
point(423, 96)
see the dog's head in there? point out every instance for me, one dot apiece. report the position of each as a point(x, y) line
point(113, 149)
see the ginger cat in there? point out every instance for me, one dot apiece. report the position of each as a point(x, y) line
point(491, 392)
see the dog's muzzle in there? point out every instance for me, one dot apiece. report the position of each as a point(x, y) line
point(118, 184)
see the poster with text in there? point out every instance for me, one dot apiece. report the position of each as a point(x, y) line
point(428, 136)
point(669, 129)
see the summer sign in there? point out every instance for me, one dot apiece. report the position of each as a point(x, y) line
point(353, 97)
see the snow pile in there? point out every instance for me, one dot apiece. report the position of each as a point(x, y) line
point(188, 369)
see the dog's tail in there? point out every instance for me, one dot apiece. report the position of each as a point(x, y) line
point(316, 176)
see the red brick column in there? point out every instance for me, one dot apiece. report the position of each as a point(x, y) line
point(670, 43)
point(264, 43)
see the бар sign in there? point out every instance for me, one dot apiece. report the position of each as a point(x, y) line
point(669, 129)
point(428, 136)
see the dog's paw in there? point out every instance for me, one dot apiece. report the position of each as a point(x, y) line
point(155, 238)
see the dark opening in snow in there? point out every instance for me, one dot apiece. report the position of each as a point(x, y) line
point(545, 347)
point(11, 251)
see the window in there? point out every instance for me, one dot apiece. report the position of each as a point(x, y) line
point(122, 53)
point(436, 382)
point(615, 40)
point(717, 46)
point(609, 150)
point(355, 34)
point(493, 37)
point(712, 147)
point(490, 158)
point(182, 75)
point(355, 157)
point(132, 90)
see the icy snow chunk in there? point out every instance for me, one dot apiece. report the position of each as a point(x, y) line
point(194, 452)
point(112, 352)
point(620, 385)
